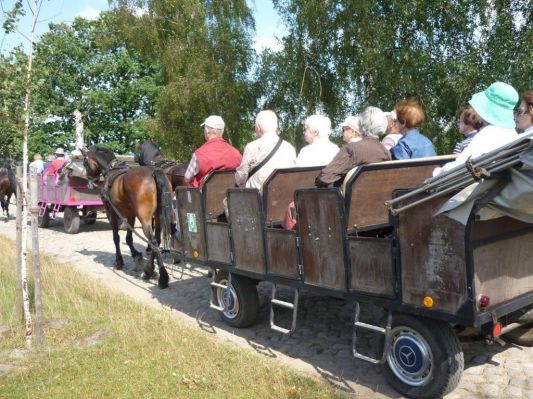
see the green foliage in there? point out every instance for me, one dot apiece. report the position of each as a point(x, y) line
point(89, 67)
point(12, 77)
point(378, 52)
point(204, 51)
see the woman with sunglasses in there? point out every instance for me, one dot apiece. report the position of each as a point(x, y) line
point(524, 113)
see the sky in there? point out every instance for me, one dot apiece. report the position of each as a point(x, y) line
point(268, 23)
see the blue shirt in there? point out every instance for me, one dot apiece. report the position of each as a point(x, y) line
point(413, 144)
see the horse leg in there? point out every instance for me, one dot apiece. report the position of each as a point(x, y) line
point(149, 268)
point(119, 262)
point(8, 200)
point(136, 255)
point(163, 275)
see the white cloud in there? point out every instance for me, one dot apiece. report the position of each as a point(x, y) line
point(89, 13)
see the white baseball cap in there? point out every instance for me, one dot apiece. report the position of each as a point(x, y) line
point(352, 122)
point(59, 151)
point(215, 122)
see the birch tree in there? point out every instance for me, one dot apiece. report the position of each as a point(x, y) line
point(10, 25)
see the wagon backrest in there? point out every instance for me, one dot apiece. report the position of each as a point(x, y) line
point(214, 191)
point(278, 189)
point(371, 185)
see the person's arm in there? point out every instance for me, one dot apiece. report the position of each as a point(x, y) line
point(400, 151)
point(241, 174)
point(192, 169)
point(336, 169)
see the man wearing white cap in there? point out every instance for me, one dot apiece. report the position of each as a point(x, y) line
point(361, 148)
point(214, 154)
point(57, 163)
point(266, 153)
point(495, 106)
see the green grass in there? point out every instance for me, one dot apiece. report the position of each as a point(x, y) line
point(144, 353)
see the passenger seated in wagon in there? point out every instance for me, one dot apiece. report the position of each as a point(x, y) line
point(57, 163)
point(495, 107)
point(319, 150)
point(214, 154)
point(362, 146)
point(266, 153)
point(413, 144)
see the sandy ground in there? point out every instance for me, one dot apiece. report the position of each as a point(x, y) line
point(321, 345)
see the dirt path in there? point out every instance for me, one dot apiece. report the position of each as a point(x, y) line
point(321, 345)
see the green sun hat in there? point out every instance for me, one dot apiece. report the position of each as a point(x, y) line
point(496, 104)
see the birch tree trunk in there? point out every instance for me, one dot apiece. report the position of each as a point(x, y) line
point(35, 6)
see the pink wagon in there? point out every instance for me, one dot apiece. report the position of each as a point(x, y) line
point(67, 191)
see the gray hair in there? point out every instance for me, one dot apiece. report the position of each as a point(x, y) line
point(372, 122)
point(319, 124)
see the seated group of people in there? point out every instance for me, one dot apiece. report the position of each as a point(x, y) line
point(489, 121)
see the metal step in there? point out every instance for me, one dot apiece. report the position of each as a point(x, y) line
point(381, 330)
point(213, 286)
point(287, 305)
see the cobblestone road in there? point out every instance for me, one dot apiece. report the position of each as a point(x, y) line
point(321, 345)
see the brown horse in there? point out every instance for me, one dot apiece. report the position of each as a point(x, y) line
point(8, 187)
point(150, 155)
point(132, 192)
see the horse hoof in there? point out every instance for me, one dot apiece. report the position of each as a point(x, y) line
point(118, 265)
point(163, 284)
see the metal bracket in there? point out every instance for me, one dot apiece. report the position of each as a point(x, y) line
point(381, 330)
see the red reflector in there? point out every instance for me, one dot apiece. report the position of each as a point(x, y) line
point(497, 330)
point(484, 301)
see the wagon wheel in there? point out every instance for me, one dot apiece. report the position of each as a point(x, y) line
point(425, 359)
point(240, 301)
point(71, 219)
point(89, 216)
point(44, 220)
point(522, 336)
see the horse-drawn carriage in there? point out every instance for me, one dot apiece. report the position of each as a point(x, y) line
point(67, 191)
point(432, 275)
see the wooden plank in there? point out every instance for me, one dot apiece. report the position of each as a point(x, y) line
point(218, 242)
point(504, 269)
point(191, 219)
point(247, 229)
point(321, 227)
point(214, 190)
point(372, 187)
point(432, 253)
point(372, 265)
point(282, 253)
point(278, 190)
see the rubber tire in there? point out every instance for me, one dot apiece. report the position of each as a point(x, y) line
point(71, 219)
point(90, 217)
point(44, 221)
point(246, 298)
point(448, 358)
point(522, 336)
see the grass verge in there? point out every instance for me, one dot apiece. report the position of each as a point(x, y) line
point(101, 344)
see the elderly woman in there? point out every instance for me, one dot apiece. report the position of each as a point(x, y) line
point(362, 147)
point(469, 125)
point(392, 136)
point(413, 144)
point(320, 150)
point(495, 107)
point(524, 113)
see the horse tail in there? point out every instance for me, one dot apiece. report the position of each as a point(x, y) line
point(164, 201)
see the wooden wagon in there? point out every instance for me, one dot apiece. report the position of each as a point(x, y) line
point(432, 275)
